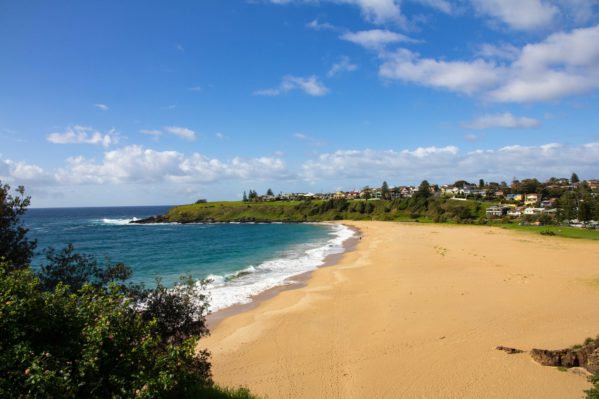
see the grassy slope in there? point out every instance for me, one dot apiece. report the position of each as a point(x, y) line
point(293, 211)
point(299, 211)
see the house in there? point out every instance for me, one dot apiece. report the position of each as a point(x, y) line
point(499, 194)
point(593, 184)
point(548, 203)
point(515, 212)
point(497, 211)
point(405, 192)
point(533, 211)
point(514, 197)
point(531, 199)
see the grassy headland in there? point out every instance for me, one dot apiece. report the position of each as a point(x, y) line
point(439, 210)
point(321, 210)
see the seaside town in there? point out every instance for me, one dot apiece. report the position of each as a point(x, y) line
point(528, 199)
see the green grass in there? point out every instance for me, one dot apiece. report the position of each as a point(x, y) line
point(216, 392)
point(559, 231)
point(317, 211)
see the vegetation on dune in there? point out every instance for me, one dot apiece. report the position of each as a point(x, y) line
point(77, 329)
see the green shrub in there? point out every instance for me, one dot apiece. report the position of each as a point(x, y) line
point(91, 343)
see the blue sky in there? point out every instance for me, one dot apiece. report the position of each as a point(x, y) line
point(149, 102)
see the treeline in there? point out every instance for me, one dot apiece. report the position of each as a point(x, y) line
point(421, 205)
point(78, 329)
point(253, 195)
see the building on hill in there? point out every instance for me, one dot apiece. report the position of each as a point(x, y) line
point(531, 199)
point(497, 211)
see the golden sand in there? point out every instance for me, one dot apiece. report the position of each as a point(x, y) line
point(416, 311)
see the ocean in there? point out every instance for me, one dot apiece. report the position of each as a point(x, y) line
point(237, 260)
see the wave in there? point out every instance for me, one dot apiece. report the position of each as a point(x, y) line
point(240, 287)
point(120, 222)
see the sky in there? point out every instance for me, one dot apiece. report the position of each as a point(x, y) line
point(153, 102)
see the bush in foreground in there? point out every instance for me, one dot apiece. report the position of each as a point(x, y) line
point(91, 343)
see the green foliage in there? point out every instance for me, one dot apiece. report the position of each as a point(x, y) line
point(15, 248)
point(75, 330)
point(593, 393)
point(75, 269)
point(385, 194)
point(574, 179)
point(216, 392)
point(90, 343)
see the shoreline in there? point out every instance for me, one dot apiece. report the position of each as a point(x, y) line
point(291, 283)
point(417, 310)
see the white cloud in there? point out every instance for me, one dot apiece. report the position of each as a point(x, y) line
point(564, 64)
point(102, 107)
point(310, 85)
point(182, 132)
point(378, 11)
point(447, 164)
point(179, 47)
point(344, 65)
point(195, 88)
point(503, 51)
point(84, 135)
point(503, 120)
point(375, 11)
point(316, 25)
point(375, 38)
point(461, 76)
point(151, 132)
point(519, 14)
point(136, 164)
point(220, 136)
point(22, 172)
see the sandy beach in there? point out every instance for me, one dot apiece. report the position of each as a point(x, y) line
point(416, 311)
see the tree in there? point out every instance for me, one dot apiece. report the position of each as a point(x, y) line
point(15, 248)
point(574, 179)
point(424, 190)
point(89, 344)
point(585, 210)
point(529, 186)
point(366, 193)
point(75, 270)
point(481, 183)
point(269, 192)
point(460, 183)
point(245, 197)
point(385, 191)
point(252, 195)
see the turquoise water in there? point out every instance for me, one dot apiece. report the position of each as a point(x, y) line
point(239, 259)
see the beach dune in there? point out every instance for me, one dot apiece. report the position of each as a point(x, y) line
point(416, 311)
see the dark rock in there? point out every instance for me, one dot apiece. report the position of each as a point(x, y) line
point(151, 219)
point(509, 350)
point(586, 356)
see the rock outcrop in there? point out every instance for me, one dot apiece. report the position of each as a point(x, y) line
point(586, 356)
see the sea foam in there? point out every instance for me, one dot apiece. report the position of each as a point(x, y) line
point(240, 287)
point(120, 222)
